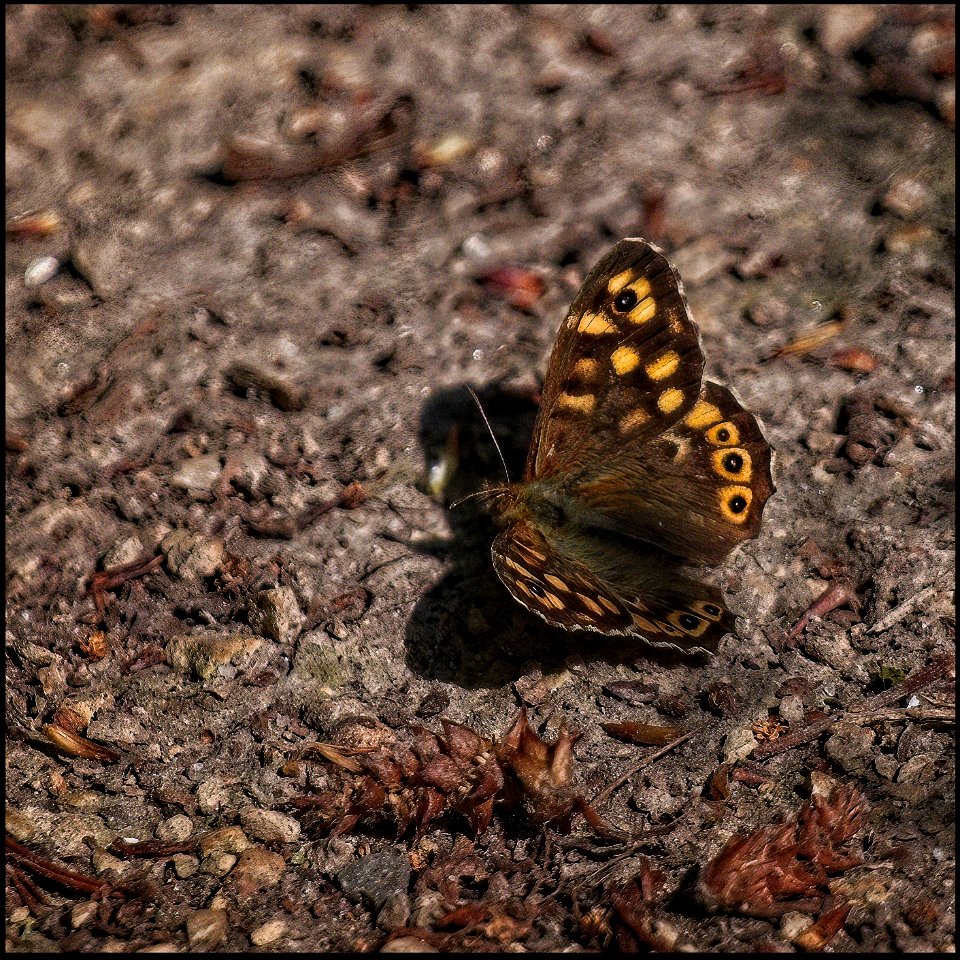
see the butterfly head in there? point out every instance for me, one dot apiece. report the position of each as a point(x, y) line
point(506, 504)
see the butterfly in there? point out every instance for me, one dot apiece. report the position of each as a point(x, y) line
point(637, 468)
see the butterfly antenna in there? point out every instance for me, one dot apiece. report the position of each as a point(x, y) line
point(477, 493)
point(476, 400)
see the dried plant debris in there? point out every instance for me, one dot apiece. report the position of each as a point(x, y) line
point(872, 424)
point(786, 867)
point(636, 922)
point(412, 783)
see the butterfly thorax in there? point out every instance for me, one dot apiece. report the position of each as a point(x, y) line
point(534, 502)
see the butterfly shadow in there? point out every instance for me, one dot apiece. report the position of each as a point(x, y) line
point(467, 629)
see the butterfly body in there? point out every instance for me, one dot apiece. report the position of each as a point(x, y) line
point(637, 468)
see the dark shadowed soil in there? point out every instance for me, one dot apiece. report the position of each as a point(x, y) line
point(255, 256)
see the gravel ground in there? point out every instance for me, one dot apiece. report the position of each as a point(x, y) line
point(255, 255)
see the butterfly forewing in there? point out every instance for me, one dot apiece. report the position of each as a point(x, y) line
point(626, 365)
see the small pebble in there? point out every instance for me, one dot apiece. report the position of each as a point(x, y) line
point(40, 271)
point(373, 879)
point(206, 651)
point(206, 929)
point(275, 614)
point(225, 840)
point(126, 551)
point(184, 866)
point(218, 864)
point(269, 932)
point(269, 825)
point(257, 870)
point(408, 945)
point(197, 475)
point(907, 197)
point(213, 795)
point(739, 744)
point(792, 709)
point(191, 557)
point(82, 914)
point(851, 746)
point(176, 829)
point(916, 768)
point(395, 913)
point(792, 924)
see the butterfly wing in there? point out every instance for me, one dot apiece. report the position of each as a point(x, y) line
point(577, 581)
point(626, 364)
point(697, 490)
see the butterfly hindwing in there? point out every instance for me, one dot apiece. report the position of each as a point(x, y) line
point(629, 598)
point(565, 593)
point(626, 365)
point(696, 491)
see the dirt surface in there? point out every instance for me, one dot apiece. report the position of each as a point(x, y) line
point(278, 241)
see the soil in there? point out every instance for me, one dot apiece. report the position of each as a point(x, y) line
point(256, 255)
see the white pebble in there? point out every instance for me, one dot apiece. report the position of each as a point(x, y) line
point(40, 271)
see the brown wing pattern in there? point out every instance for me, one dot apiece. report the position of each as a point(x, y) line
point(626, 365)
point(680, 614)
point(696, 491)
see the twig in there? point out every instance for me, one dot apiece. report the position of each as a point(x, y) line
point(938, 667)
point(249, 159)
point(811, 731)
point(607, 792)
point(898, 613)
point(30, 894)
point(868, 711)
point(154, 848)
point(835, 596)
point(945, 713)
point(351, 497)
point(40, 865)
point(113, 577)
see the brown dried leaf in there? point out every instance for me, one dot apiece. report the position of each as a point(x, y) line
point(36, 223)
point(635, 923)
point(811, 339)
point(519, 286)
point(827, 926)
point(334, 755)
point(855, 359)
point(719, 788)
point(78, 746)
point(645, 734)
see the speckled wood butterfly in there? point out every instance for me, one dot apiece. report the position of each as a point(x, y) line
point(636, 468)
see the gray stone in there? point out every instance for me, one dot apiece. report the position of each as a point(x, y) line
point(408, 945)
point(851, 746)
point(268, 932)
point(275, 614)
point(197, 475)
point(177, 828)
point(206, 929)
point(126, 551)
point(191, 557)
point(395, 912)
point(374, 879)
point(207, 650)
point(224, 840)
point(269, 825)
point(739, 744)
